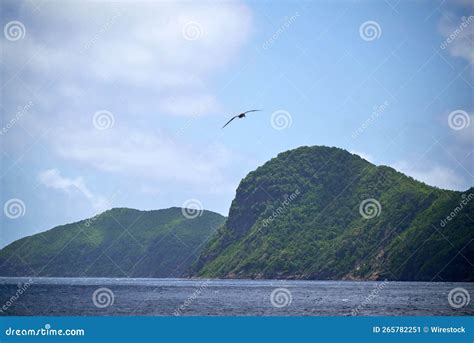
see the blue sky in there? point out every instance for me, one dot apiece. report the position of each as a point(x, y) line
point(120, 104)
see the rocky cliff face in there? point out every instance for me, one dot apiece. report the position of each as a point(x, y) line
point(323, 213)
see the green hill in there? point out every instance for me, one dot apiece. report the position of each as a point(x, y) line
point(310, 213)
point(117, 243)
point(298, 216)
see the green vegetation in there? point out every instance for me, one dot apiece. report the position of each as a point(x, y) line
point(298, 217)
point(117, 243)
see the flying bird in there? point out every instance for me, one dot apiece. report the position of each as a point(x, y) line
point(241, 115)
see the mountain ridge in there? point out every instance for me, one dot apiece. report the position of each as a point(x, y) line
point(120, 242)
point(309, 213)
point(323, 235)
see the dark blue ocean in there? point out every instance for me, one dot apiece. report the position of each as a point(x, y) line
point(182, 297)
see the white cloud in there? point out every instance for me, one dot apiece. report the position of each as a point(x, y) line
point(152, 157)
point(137, 47)
point(465, 135)
point(52, 178)
point(436, 175)
point(132, 59)
point(459, 35)
point(190, 105)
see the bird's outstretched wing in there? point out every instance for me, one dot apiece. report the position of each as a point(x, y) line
point(229, 121)
point(252, 111)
